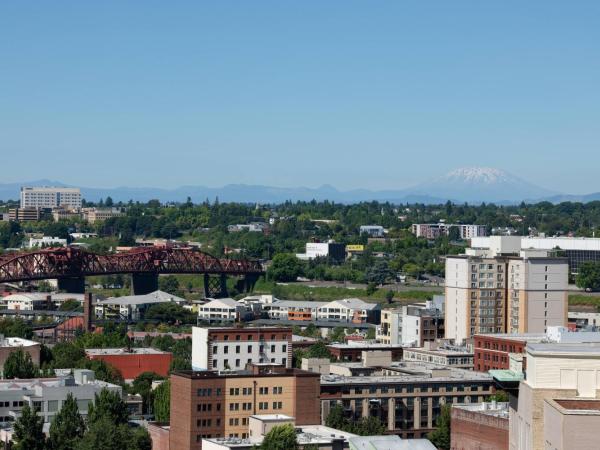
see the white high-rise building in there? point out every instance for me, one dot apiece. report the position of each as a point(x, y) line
point(50, 197)
point(503, 289)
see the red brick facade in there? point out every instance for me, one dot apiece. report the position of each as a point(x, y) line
point(491, 352)
point(131, 365)
point(474, 430)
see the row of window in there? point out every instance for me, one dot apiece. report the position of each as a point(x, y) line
point(238, 349)
point(238, 362)
point(251, 337)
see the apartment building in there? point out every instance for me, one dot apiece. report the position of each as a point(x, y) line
point(353, 351)
point(435, 230)
point(411, 325)
point(234, 348)
point(47, 241)
point(48, 394)
point(50, 197)
point(222, 310)
point(292, 310)
point(558, 400)
point(406, 396)
point(208, 404)
point(350, 310)
point(504, 289)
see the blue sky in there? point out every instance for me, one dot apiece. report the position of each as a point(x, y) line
point(356, 94)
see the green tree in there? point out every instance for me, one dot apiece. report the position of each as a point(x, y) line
point(336, 418)
point(19, 365)
point(28, 431)
point(104, 434)
point(68, 426)
point(143, 385)
point(319, 350)
point(337, 334)
point(589, 276)
point(440, 437)
point(169, 284)
point(109, 405)
point(285, 267)
point(15, 328)
point(281, 437)
point(66, 355)
point(369, 426)
point(371, 333)
point(162, 402)
point(499, 396)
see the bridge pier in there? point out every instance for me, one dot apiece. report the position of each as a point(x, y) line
point(216, 286)
point(143, 283)
point(74, 285)
point(246, 283)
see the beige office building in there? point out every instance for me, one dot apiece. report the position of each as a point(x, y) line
point(503, 289)
point(558, 405)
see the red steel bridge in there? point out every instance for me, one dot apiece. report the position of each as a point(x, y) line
point(70, 266)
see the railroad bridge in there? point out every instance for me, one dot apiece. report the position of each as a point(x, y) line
point(70, 266)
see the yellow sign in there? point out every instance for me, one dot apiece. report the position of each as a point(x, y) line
point(355, 248)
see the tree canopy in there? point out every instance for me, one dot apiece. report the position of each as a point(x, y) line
point(19, 365)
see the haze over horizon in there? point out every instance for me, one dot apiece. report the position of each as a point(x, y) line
point(352, 95)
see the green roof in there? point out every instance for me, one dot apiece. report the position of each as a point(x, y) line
point(504, 375)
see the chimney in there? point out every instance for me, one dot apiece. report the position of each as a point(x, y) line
point(87, 311)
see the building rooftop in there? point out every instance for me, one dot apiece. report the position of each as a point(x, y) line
point(523, 337)
point(441, 351)
point(389, 442)
point(223, 302)
point(297, 303)
point(369, 345)
point(576, 406)
point(506, 376)
point(589, 350)
point(153, 297)
point(496, 409)
point(124, 351)
point(354, 303)
point(16, 342)
point(410, 372)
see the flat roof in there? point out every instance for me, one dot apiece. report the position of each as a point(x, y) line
point(414, 372)
point(124, 351)
point(499, 409)
point(439, 351)
point(586, 349)
point(358, 345)
point(523, 337)
point(279, 371)
point(505, 375)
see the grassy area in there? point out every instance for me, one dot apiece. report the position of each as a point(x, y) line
point(588, 300)
point(302, 292)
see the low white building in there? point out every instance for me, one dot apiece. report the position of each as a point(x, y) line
point(372, 230)
point(47, 241)
point(352, 310)
point(48, 394)
point(222, 310)
point(30, 301)
point(329, 249)
point(293, 310)
point(132, 307)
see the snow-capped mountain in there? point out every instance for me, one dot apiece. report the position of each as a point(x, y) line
point(481, 184)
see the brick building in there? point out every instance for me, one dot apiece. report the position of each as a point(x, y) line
point(216, 404)
point(234, 348)
point(491, 351)
point(482, 426)
point(13, 344)
point(132, 362)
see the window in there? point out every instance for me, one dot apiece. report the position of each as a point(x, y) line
point(226, 349)
point(237, 348)
point(263, 391)
point(237, 337)
point(52, 405)
point(272, 348)
point(215, 348)
point(249, 349)
point(237, 363)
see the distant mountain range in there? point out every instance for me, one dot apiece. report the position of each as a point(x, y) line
point(472, 185)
